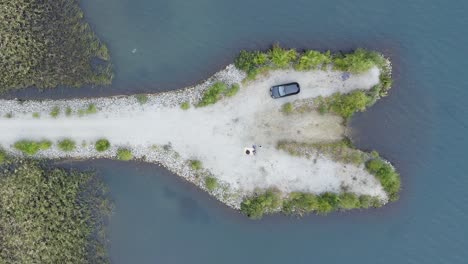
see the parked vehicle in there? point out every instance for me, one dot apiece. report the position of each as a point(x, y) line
point(283, 90)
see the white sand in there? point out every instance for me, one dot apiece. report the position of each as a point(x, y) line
point(215, 135)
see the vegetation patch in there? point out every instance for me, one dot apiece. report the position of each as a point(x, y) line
point(46, 44)
point(9, 115)
point(36, 115)
point(258, 205)
point(213, 94)
point(142, 98)
point(102, 145)
point(195, 164)
point(387, 176)
point(185, 105)
point(344, 105)
point(30, 147)
point(233, 90)
point(211, 183)
point(67, 145)
point(287, 108)
point(360, 60)
point(51, 215)
point(312, 59)
point(2, 156)
point(68, 111)
point(124, 154)
point(55, 112)
point(91, 109)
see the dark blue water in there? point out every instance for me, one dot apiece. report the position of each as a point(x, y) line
point(420, 127)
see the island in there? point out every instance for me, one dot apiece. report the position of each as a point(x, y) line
point(303, 161)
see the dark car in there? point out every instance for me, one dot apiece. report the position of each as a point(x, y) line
point(283, 90)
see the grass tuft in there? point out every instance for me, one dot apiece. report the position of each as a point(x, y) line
point(30, 147)
point(124, 154)
point(102, 145)
point(66, 145)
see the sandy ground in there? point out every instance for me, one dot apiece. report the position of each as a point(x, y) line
point(217, 134)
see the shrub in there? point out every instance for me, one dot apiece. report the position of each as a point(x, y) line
point(232, 90)
point(102, 145)
point(67, 145)
point(2, 156)
point(36, 115)
point(68, 111)
point(250, 61)
point(349, 201)
point(211, 183)
point(195, 164)
point(360, 60)
point(387, 176)
point(327, 202)
point(300, 203)
point(287, 108)
point(254, 207)
point(311, 59)
point(91, 109)
point(124, 154)
point(142, 98)
point(280, 57)
point(30, 147)
point(344, 105)
point(55, 112)
point(185, 105)
point(212, 94)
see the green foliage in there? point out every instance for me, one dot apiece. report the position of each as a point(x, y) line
point(142, 98)
point(2, 156)
point(360, 60)
point(195, 164)
point(254, 207)
point(185, 105)
point(102, 145)
point(250, 62)
point(91, 109)
point(349, 201)
point(124, 154)
point(311, 59)
point(211, 183)
point(46, 44)
point(66, 145)
point(344, 105)
point(36, 115)
point(9, 115)
point(282, 58)
point(68, 111)
point(55, 112)
point(50, 215)
point(387, 176)
point(30, 147)
point(327, 202)
point(232, 90)
point(212, 94)
point(287, 108)
point(300, 203)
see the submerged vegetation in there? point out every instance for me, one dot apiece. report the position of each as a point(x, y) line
point(46, 44)
point(51, 215)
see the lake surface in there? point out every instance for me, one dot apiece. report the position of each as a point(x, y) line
point(421, 127)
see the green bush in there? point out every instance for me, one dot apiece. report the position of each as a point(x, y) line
point(349, 201)
point(211, 183)
point(195, 164)
point(287, 108)
point(91, 109)
point(68, 111)
point(254, 207)
point(360, 60)
point(2, 156)
point(282, 58)
point(67, 145)
point(102, 145)
point(232, 90)
point(212, 94)
point(47, 44)
point(344, 105)
point(30, 147)
point(300, 203)
point(387, 176)
point(124, 154)
point(311, 59)
point(185, 105)
point(142, 98)
point(36, 115)
point(55, 112)
point(250, 61)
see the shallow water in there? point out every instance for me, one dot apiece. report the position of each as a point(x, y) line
point(420, 127)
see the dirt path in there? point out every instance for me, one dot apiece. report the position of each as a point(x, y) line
point(217, 134)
